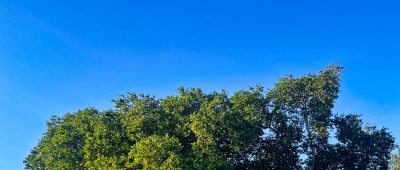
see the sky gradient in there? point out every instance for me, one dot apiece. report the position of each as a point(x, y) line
point(60, 56)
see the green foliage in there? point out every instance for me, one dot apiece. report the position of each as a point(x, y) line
point(308, 102)
point(287, 127)
point(155, 152)
point(62, 144)
point(395, 161)
point(107, 146)
point(361, 148)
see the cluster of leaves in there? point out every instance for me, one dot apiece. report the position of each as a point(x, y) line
point(395, 161)
point(287, 127)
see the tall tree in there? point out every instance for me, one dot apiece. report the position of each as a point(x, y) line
point(308, 101)
point(251, 129)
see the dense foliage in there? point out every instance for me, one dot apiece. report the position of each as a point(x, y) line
point(395, 161)
point(288, 127)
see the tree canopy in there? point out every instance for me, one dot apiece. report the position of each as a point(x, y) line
point(290, 126)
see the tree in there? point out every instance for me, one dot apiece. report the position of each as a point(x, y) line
point(252, 129)
point(361, 148)
point(308, 101)
point(62, 144)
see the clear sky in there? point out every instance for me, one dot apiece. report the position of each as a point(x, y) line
point(59, 56)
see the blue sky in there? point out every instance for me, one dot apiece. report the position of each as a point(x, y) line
point(59, 56)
